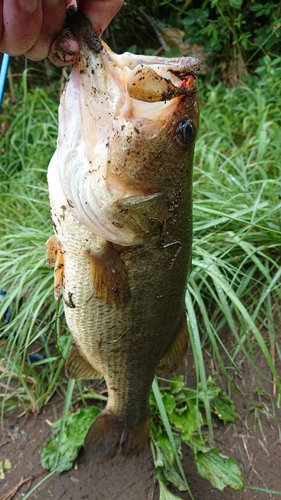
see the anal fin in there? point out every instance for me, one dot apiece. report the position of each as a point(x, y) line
point(77, 367)
point(109, 276)
point(174, 356)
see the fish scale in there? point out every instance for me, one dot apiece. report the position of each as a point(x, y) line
point(121, 205)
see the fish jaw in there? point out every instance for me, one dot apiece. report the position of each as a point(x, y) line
point(110, 141)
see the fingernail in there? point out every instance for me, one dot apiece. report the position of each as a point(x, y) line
point(28, 5)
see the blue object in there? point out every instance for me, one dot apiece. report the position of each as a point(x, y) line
point(3, 74)
point(34, 358)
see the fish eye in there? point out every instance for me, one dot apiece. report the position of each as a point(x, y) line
point(185, 132)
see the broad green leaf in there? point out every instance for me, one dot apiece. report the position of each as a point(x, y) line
point(223, 407)
point(198, 442)
point(168, 429)
point(236, 3)
point(165, 494)
point(166, 424)
point(169, 402)
point(188, 421)
point(176, 384)
point(165, 444)
point(5, 464)
point(73, 436)
point(212, 390)
point(221, 470)
point(158, 455)
point(174, 478)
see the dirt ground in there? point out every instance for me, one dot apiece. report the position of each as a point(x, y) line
point(254, 441)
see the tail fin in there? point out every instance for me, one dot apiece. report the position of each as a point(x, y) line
point(109, 434)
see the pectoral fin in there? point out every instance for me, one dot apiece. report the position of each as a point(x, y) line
point(54, 258)
point(109, 276)
point(174, 356)
point(51, 251)
point(59, 273)
point(77, 367)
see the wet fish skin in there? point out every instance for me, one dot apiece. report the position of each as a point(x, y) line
point(120, 188)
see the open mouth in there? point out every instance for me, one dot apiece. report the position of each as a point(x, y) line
point(150, 87)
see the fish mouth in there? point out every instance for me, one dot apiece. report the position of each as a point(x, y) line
point(145, 87)
point(154, 79)
point(147, 79)
point(140, 87)
point(116, 113)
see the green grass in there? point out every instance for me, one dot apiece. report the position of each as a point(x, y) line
point(27, 145)
point(235, 278)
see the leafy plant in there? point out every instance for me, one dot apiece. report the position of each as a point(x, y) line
point(177, 418)
point(233, 32)
point(181, 408)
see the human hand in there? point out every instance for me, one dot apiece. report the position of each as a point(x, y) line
point(30, 26)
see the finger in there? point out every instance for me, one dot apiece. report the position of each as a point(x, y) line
point(100, 12)
point(52, 24)
point(64, 50)
point(20, 25)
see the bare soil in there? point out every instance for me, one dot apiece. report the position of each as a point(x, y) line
point(254, 441)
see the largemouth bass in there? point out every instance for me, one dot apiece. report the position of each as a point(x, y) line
point(120, 185)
